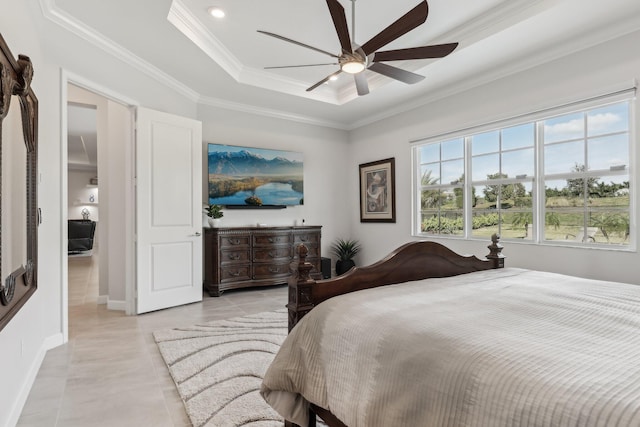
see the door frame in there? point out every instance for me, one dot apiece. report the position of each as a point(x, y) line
point(66, 78)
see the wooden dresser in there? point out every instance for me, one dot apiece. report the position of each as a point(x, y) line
point(240, 257)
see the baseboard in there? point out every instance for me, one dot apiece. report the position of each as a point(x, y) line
point(103, 299)
point(23, 395)
point(116, 305)
point(53, 341)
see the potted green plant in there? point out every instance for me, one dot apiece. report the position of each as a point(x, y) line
point(345, 250)
point(214, 212)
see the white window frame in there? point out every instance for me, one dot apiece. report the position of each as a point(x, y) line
point(539, 179)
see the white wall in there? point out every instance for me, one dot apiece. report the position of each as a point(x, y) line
point(114, 135)
point(55, 52)
point(79, 193)
point(79, 95)
point(326, 168)
point(119, 145)
point(331, 166)
point(579, 76)
point(38, 326)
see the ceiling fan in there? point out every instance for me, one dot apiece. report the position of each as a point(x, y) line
point(354, 59)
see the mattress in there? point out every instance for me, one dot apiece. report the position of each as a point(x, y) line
point(505, 347)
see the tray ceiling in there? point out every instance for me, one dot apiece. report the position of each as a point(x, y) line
point(221, 61)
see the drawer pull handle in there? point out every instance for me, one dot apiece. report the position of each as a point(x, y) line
point(234, 274)
point(303, 238)
point(274, 270)
point(272, 255)
point(234, 256)
point(234, 242)
point(272, 239)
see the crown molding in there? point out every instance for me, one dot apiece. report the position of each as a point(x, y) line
point(467, 33)
point(182, 18)
point(269, 112)
point(189, 25)
point(559, 51)
point(281, 84)
point(66, 21)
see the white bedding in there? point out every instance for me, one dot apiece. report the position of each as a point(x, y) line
point(505, 347)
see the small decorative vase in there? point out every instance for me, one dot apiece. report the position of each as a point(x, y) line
point(214, 222)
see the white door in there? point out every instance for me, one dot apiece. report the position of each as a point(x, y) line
point(169, 210)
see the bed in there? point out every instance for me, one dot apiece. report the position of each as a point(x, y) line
point(457, 341)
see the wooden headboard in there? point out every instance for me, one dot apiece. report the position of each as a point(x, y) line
point(412, 261)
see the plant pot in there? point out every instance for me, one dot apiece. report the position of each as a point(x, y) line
point(344, 265)
point(214, 222)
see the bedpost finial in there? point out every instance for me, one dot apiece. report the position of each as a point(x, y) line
point(495, 251)
point(303, 251)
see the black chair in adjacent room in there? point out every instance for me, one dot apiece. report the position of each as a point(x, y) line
point(81, 232)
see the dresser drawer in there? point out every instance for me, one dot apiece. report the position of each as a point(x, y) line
point(314, 250)
point(235, 241)
point(271, 239)
point(270, 271)
point(235, 273)
point(270, 254)
point(242, 257)
point(230, 256)
point(310, 237)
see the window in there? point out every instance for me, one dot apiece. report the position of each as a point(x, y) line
point(560, 178)
point(441, 182)
point(502, 165)
point(586, 175)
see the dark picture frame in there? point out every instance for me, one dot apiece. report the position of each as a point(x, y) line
point(377, 191)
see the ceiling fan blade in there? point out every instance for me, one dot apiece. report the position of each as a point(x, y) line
point(412, 19)
point(340, 22)
point(297, 43)
point(396, 73)
point(435, 51)
point(362, 86)
point(323, 81)
point(299, 66)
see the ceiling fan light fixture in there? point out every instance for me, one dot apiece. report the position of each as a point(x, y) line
point(352, 67)
point(354, 59)
point(216, 12)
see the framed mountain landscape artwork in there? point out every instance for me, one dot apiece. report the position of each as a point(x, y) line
point(254, 177)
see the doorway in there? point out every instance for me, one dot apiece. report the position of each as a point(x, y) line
point(97, 137)
point(83, 212)
point(143, 221)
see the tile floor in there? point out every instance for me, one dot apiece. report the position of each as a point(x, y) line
point(110, 373)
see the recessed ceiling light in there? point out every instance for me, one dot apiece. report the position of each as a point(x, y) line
point(216, 12)
point(333, 78)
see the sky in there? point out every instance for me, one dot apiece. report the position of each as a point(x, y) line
point(266, 153)
point(598, 138)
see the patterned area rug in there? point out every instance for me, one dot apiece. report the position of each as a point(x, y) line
point(218, 368)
